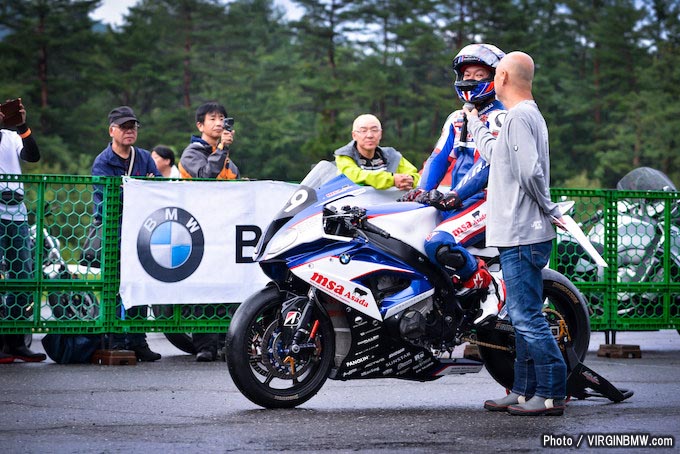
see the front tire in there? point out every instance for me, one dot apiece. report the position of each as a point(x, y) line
point(562, 301)
point(258, 358)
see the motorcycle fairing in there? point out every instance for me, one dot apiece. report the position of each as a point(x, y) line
point(409, 222)
point(340, 280)
point(376, 354)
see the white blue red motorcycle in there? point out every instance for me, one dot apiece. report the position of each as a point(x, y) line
point(353, 296)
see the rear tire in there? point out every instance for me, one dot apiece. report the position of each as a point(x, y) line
point(258, 355)
point(564, 300)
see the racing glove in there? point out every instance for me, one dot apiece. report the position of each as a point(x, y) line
point(411, 195)
point(445, 202)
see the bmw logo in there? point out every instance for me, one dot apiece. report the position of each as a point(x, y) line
point(345, 259)
point(170, 244)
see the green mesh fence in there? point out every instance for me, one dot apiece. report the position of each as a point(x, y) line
point(637, 234)
point(50, 284)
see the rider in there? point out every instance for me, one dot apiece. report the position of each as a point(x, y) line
point(463, 208)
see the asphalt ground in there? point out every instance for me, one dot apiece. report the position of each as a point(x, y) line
point(179, 405)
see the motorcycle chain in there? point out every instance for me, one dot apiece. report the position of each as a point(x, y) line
point(474, 341)
point(561, 323)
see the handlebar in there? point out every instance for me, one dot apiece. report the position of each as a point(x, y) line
point(367, 226)
point(357, 219)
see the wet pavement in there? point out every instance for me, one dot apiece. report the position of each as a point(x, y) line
point(179, 405)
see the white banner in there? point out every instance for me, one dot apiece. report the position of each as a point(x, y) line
point(191, 242)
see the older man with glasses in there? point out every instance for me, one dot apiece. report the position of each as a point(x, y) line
point(364, 162)
point(120, 158)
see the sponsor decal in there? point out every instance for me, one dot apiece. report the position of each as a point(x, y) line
point(170, 244)
point(376, 362)
point(477, 218)
point(356, 295)
point(590, 377)
point(370, 331)
point(388, 371)
point(369, 340)
point(337, 191)
point(423, 366)
point(366, 350)
point(358, 321)
point(350, 372)
point(354, 362)
point(398, 359)
point(406, 364)
point(370, 371)
point(292, 318)
point(395, 353)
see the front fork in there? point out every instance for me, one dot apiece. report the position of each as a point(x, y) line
point(303, 339)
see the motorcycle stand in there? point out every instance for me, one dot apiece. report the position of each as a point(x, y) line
point(583, 382)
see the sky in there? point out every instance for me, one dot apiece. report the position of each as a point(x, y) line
point(112, 11)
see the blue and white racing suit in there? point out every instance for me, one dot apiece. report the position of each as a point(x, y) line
point(466, 225)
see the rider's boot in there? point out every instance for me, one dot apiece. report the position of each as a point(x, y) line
point(482, 279)
point(494, 299)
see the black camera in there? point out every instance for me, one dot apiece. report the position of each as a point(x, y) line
point(229, 124)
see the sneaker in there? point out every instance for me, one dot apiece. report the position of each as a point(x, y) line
point(492, 301)
point(503, 403)
point(481, 279)
point(5, 358)
point(145, 354)
point(205, 356)
point(538, 406)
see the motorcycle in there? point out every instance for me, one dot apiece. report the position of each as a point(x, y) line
point(66, 305)
point(641, 236)
point(353, 296)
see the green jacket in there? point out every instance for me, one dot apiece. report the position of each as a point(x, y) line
point(347, 158)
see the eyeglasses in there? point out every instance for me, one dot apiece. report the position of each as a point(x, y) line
point(129, 126)
point(364, 131)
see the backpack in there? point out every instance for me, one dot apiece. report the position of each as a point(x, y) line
point(71, 348)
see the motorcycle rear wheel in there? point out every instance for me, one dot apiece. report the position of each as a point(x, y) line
point(564, 301)
point(257, 356)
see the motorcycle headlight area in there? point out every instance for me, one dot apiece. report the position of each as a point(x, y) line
point(282, 241)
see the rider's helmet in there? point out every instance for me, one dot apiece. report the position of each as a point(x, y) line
point(476, 91)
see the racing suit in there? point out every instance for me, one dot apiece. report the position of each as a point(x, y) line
point(466, 225)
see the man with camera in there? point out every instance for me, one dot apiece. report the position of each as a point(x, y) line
point(207, 156)
point(15, 146)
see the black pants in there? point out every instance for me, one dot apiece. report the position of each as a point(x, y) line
point(130, 341)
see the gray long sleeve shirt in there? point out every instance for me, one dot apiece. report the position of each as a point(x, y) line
point(519, 205)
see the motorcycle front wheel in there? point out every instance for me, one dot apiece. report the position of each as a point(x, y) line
point(258, 352)
point(564, 306)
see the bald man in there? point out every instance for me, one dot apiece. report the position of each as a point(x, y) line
point(519, 223)
point(364, 162)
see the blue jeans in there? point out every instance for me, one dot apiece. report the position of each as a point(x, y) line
point(539, 365)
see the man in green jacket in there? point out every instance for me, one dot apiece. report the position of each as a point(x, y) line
point(364, 162)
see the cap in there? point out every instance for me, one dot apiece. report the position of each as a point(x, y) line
point(122, 114)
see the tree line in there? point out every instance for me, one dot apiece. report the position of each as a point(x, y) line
point(607, 76)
